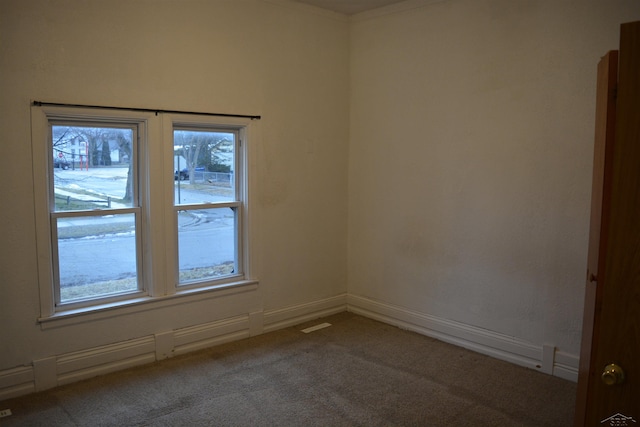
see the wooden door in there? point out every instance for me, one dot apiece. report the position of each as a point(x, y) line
point(611, 326)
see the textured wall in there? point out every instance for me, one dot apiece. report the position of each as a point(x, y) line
point(246, 57)
point(470, 160)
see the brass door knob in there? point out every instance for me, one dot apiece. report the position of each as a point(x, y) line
point(612, 374)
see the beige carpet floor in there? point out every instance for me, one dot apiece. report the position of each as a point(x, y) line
point(357, 372)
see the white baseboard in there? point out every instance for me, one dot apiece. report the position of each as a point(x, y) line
point(566, 366)
point(16, 382)
point(80, 365)
point(67, 368)
point(541, 358)
point(290, 316)
point(210, 334)
point(70, 367)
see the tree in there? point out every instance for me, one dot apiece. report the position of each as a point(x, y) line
point(195, 147)
point(99, 140)
point(123, 139)
point(213, 150)
point(105, 149)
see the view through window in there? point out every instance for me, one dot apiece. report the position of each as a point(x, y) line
point(207, 204)
point(95, 211)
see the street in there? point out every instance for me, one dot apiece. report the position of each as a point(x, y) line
point(90, 260)
point(90, 252)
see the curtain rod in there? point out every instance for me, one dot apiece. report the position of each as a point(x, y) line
point(146, 110)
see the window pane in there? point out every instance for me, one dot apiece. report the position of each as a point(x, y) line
point(203, 166)
point(96, 256)
point(92, 167)
point(206, 244)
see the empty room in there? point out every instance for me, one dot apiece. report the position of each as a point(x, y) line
point(191, 183)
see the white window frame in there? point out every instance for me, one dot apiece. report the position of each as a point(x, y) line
point(138, 209)
point(158, 225)
point(240, 126)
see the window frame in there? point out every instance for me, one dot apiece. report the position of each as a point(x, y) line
point(239, 127)
point(158, 262)
point(137, 209)
point(237, 206)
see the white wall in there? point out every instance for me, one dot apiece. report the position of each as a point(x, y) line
point(470, 157)
point(436, 157)
point(286, 63)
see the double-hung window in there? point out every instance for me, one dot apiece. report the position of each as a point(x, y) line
point(207, 203)
point(95, 211)
point(132, 206)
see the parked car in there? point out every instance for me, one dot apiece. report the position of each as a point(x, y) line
point(182, 175)
point(61, 163)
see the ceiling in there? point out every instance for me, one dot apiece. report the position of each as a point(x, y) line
point(349, 7)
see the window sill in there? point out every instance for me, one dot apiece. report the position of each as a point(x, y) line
point(137, 305)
